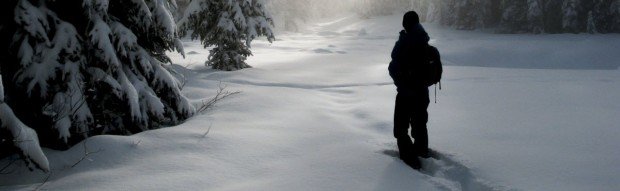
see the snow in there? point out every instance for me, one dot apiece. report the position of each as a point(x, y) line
point(164, 19)
point(100, 38)
point(23, 137)
point(193, 8)
point(125, 40)
point(517, 112)
point(100, 75)
point(131, 94)
point(33, 19)
point(38, 61)
point(226, 24)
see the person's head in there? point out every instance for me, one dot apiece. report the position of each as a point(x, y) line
point(410, 20)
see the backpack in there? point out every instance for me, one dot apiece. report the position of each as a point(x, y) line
point(433, 68)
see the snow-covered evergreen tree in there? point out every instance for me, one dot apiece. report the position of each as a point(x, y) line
point(521, 16)
point(570, 13)
point(448, 17)
point(466, 14)
point(552, 15)
point(492, 13)
point(591, 24)
point(514, 17)
point(432, 12)
point(615, 9)
point(229, 26)
point(602, 16)
point(535, 17)
point(100, 68)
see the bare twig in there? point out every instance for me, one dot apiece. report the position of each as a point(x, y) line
point(21, 141)
point(87, 152)
point(184, 77)
point(222, 93)
point(16, 139)
point(136, 143)
point(208, 130)
point(44, 182)
point(69, 108)
point(10, 163)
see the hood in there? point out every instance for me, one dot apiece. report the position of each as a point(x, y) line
point(416, 36)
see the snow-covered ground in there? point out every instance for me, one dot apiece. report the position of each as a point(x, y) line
point(315, 113)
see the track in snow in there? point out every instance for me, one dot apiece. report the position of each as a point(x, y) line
point(449, 174)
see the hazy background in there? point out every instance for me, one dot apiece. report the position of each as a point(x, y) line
point(501, 16)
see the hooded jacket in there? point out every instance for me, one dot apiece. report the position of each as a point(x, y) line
point(407, 58)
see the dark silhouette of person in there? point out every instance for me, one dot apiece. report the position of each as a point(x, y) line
point(406, 69)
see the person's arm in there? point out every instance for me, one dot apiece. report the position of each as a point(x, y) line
point(395, 68)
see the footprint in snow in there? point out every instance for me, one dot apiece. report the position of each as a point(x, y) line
point(449, 174)
point(328, 34)
point(322, 51)
point(327, 51)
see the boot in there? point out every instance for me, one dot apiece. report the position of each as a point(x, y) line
point(407, 154)
point(405, 147)
point(424, 153)
point(414, 163)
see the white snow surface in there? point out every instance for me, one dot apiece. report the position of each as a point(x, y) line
point(541, 115)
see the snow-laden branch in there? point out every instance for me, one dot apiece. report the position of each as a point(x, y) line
point(23, 137)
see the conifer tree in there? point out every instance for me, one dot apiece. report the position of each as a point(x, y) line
point(570, 13)
point(525, 16)
point(514, 17)
point(100, 68)
point(591, 24)
point(432, 12)
point(535, 17)
point(229, 26)
point(448, 17)
point(615, 9)
point(602, 16)
point(552, 15)
point(466, 14)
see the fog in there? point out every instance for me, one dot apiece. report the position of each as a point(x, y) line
point(516, 16)
point(501, 16)
point(292, 14)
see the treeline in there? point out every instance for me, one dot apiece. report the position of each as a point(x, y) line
point(510, 16)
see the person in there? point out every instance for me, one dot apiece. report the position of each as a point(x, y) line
point(408, 72)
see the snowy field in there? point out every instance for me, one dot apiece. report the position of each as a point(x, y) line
point(517, 112)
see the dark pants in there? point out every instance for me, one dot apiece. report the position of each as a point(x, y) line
point(411, 109)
